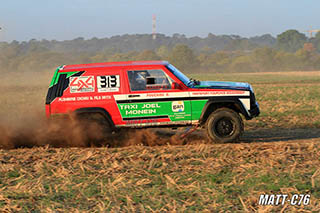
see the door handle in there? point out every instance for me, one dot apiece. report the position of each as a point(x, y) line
point(133, 96)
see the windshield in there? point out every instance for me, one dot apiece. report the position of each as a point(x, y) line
point(179, 74)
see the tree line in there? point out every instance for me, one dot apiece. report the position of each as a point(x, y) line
point(291, 50)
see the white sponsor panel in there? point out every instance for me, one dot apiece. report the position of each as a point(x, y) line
point(177, 106)
point(246, 102)
point(85, 98)
point(81, 84)
point(183, 94)
point(220, 93)
point(120, 97)
point(152, 95)
point(108, 83)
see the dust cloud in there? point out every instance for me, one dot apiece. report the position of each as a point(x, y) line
point(71, 132)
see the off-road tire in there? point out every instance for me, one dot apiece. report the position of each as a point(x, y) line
point(224, 125)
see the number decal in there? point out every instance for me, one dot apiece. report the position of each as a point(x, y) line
point(102, 81)
point(108, 83)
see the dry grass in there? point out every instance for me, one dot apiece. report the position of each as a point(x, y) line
point(201, 177)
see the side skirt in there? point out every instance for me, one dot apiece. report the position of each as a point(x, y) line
point(160, 124)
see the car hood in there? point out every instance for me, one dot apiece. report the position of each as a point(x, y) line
point(223, 85)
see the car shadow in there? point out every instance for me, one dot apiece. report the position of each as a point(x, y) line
point(278, 134)
point(252, 136)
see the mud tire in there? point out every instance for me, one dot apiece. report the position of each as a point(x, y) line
point(224, 125)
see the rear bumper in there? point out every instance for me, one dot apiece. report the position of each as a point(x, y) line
point(48, 110)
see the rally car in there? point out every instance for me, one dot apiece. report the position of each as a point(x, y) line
point(142, 94)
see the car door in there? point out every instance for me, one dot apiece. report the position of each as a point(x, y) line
point(152, 100)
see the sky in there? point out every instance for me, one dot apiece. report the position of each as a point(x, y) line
point(23, 20)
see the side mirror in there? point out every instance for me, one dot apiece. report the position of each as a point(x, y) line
point(175, 85)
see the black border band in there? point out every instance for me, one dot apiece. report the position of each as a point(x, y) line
point(145, 117)
point(176, 99)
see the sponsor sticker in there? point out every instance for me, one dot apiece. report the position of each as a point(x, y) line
point(108, 83)
point(219, 93)
point(85, 98)
point(139, 109)
point(177, 106)
point(81, 84)
point(141, 121)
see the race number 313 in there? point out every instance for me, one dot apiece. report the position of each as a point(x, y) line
point(108, 83)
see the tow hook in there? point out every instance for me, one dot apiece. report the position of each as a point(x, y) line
point(188, 131)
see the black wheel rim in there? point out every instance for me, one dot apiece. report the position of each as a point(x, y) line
point(224, 127)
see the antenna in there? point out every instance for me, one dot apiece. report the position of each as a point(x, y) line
point(312, 31)
point(154, 35)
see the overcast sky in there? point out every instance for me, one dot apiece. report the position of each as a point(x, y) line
point(23, 20)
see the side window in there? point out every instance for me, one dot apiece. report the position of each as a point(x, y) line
point(149, 80)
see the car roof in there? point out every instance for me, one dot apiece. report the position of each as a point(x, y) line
point(112, 64)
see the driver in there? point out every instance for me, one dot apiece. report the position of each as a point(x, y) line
point(137, 81)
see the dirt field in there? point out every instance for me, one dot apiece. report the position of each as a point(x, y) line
point(152, 170)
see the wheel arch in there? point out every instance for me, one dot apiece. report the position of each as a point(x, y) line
point(216, 103)
point(97, 110)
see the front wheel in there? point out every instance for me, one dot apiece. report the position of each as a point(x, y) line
point(224, 125)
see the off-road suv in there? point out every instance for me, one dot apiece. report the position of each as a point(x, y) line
point(146, 94)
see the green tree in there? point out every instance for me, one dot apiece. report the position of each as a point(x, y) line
point(305, 60)
point(163, 52)
point(264, 58)
point(183, 57)
point(285, 61)
point(240, 44)
point(316, 41)
point(100, 57)
point(291, 40)
point(316, 62)
point(123, 56)
point(242, 64)
point(147, 55)
point(217, 61)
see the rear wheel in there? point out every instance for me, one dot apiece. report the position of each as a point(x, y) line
point(96, 129)
point(224, 125)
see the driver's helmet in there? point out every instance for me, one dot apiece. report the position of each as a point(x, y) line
point(140, 81)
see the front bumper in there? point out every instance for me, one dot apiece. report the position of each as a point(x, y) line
point(255, 110)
